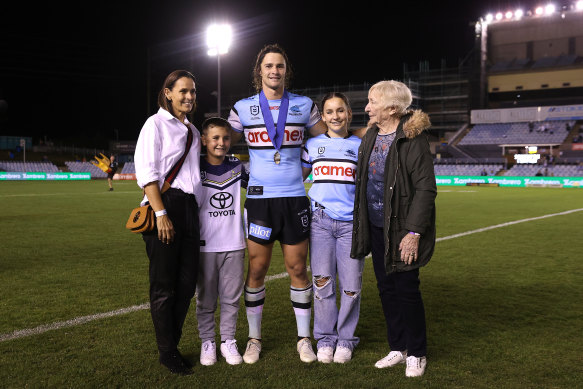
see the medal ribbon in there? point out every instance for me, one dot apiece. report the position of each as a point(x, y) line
point(275, 134)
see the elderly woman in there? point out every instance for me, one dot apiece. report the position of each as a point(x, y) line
point(394, 216)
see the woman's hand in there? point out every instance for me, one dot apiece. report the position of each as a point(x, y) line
point(409, 248)
point(165, 229)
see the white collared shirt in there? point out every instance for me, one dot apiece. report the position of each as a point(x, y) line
point(160, 145)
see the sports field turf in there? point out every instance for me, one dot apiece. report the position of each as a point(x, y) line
point(504, 304)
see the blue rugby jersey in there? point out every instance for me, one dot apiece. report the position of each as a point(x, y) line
point(268, 179)
point(333, 164)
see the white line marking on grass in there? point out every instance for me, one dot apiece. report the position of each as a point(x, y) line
point(85, 319)
point(507, 224)
point(69, 194)
point(70, 323)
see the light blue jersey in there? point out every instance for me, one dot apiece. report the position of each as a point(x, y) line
point(267, 178)
point(333, 164)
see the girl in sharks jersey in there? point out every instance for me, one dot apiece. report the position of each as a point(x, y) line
point(331, 158)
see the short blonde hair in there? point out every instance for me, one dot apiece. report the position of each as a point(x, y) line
point(393, 94)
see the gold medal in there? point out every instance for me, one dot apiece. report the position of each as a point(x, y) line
point(277, 158)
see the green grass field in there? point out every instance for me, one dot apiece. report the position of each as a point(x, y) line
point(503, 305)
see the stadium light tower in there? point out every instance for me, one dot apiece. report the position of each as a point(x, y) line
point(218, 40)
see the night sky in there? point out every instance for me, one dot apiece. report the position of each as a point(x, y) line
point(79, 74)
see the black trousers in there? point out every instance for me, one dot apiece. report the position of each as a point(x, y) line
point(173, 269)
point(402, 302)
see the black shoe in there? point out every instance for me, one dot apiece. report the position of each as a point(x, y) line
point(186, 362)
point(110, 189)
point(173, 361)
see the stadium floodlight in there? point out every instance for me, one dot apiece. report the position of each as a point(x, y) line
point(499, 16)
point(218, 40)
point(579, 5)
point(539, 10)
point(550, 9)
point(509, 15)
point(518, 14)
point(490, 17)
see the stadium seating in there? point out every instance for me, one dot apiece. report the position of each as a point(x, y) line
point(26, 167)
point(128, 168)
point(530, 170)
point(467, 169)
point(547, 132)
point(86, 167)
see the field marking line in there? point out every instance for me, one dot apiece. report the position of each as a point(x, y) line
point(85, 319)
point(507, 224)
point(68, 194)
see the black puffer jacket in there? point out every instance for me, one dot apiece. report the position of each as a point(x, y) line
point(409, 193)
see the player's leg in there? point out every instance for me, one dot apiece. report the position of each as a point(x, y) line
point(259, 260)
point(230, 289)
point(206, 305)
point(323, 264)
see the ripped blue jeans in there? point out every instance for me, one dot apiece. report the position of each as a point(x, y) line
point(330, 242)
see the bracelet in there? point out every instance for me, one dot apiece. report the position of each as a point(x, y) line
point(161, 213)
point(414, 233)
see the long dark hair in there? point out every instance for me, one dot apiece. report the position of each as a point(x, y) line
point(169, 82)
point(272, 48)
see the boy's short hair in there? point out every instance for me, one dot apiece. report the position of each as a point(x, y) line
point(215, 122)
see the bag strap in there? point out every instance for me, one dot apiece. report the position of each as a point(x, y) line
point(178, 165)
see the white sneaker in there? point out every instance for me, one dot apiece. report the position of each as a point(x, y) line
point(305, 350)
point(230, 352)
point(208, 353)
point(392, 359)
point(325, 354)
point(415, 366)
point(252, 352)
point(342, 354)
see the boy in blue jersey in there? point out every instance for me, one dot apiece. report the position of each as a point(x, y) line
point(222, 244)
point(277, 208)
point(331, 158)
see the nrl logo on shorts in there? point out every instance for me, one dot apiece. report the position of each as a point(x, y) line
point(254, 110)
point(321, 150)
point(305, 221)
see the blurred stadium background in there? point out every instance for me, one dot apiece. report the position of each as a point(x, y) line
point(512, 107)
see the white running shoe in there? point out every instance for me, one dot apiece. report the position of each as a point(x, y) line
point(342, 354)
point(415, 366)
point(230, 352)
point(252, 352)
point(325, 354)
point(394, 358)
point(305, 350)
point(208, 353)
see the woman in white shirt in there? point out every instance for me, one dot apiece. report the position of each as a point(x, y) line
point(167, 156)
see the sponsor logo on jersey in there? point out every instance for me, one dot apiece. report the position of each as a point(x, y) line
point(221, 200)
point(259, 231)
point(295, 110)
point(259, 137)
point(350, 153)
point(203, 175)
point(255, 190)
point(331, 170)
